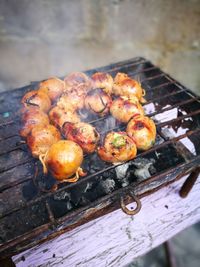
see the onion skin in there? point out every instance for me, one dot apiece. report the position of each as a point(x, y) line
point(36, 99)
point(98, 102)
point(143, 130)
point(118, 147)
point(58, 116)
point(42, 138)
point(63, 159)
point(53, 87)
point(83, 134)
point(123, 109)
point(102, 80)
point(30, 118)
point(125, 86)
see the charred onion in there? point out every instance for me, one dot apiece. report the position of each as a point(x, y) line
point(117, 147)
point(125, 86)
point(83, 134)
point(63, 160)
point(103, 81)
point(143, 130)
point(98, 102)
point(123, 109)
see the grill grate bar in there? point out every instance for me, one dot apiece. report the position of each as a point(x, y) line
point(85, 179)
point(165, 96)
point(174, 106)
point(160, 124)
point(149, 101)
point(169, 122)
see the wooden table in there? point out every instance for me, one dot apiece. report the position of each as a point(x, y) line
point(117, 239)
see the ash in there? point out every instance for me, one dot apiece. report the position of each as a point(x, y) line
point(107, 185)
point(62, 196)
point(122, 174)
point(144, 168)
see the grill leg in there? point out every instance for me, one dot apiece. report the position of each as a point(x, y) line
point(171, 260)
point(7, 262)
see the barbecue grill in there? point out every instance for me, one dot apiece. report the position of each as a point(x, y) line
point(30, 214)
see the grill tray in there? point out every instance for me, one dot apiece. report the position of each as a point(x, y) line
point(29, 216)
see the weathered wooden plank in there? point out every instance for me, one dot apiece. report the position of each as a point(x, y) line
point(116, 238)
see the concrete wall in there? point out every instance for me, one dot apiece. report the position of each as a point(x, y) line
point(40, 38)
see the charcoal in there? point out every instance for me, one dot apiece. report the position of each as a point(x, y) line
point(144, 168)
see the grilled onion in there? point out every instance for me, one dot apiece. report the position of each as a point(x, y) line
point(58, 116)
point(30, 118)
point(71, 101)
point(123, 109)
point(42, 138)
point(103, 81)
point(36, 99)
point(63, 160)
point(143, 130)
point(118, 147)
point(125, 86)
point(83, 134)
point(77, 82)
point(53, 87)
point(98, 102)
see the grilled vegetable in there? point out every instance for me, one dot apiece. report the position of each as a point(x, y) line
point(143, 130)
point(53, 87)
point(123, 109)
point(103, 81)
point(83, 134)
point(58, 116)
point(63, 160)
point(117, 147)
point(41, 139)
point(30, 118)
point(71, 101)
point(98, 102)
point(77, 82)
point(36, 99)
point(125, 86)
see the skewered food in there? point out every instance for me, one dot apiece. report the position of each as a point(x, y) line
point(83, 134)
point(103, 81)
point(77, 82)
point(118, 147)
point(98, 102)
point(71, 101)
point(53, 87)
point(36, 99)
point(63, 160)
point(123, 108)
point(32, 117)
point(42, 138)
point(58, 116)
point(143, 130)
point(125, 86)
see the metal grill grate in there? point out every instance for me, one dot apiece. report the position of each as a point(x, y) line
point(29, 216)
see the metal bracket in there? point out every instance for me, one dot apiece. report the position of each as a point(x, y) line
point(128, 211)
